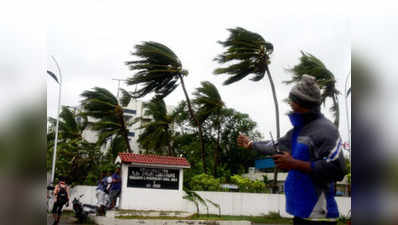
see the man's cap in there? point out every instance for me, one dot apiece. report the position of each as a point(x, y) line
point(306, 92)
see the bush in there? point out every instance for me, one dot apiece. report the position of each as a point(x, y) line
point(205, 182)
point(247, 185)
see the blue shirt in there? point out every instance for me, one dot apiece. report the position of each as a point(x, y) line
point(116, 185)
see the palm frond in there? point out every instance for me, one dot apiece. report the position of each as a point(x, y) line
point(126, 97)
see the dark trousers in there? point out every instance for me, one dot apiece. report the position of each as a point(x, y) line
point(299, 221)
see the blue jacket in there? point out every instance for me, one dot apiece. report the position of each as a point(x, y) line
point(316, 140)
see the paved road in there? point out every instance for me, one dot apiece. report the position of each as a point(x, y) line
point(65, 220)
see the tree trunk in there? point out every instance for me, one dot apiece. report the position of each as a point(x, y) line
point(277, 124)
point(218, 147)
point(336, 105)
point(124, 129)
point(170, 148)
point(202, 144)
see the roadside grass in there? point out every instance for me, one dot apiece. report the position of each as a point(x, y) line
point(273, 218)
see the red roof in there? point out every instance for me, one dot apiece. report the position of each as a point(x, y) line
point(154, 159)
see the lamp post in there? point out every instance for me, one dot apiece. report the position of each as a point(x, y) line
point(57, 124)
point(346, 94)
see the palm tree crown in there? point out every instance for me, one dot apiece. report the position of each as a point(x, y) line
point(251, 52)
point(208, 100)
point(104, 107)
point(158, 69)
point(157, 133)
point(311, 65)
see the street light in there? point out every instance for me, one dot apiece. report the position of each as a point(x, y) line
point(57, 124)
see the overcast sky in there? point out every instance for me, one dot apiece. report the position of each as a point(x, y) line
point(91, 40)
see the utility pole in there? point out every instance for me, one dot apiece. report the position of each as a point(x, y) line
point(118, 86)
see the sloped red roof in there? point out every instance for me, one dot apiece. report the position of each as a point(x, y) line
point(154, 159)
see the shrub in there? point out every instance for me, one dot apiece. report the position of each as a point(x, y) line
point(247, 185)
point(205, 182)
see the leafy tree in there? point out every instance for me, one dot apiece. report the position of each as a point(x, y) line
point(157, 133)
point(159, 71)
point(248, 53)
point(209, 103)
point(110, 120)
point(311, 65)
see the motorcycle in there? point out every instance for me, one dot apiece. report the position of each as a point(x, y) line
point(82, 210)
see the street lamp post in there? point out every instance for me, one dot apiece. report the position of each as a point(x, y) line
point(346, 94)
point(57, 124)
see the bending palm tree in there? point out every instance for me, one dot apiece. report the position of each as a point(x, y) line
point(70, 127)
point(311, 65)
point(76, 154)
point(157, 133)
point(209, 102)
point(159, 71)
point(103, 106)
point(249, 53)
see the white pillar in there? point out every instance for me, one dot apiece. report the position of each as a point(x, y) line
point(180, 182)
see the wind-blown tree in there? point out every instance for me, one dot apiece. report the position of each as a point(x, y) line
point(157, 134)
point(110, 120)
point(75, 156)
point(158, 71)
point(248, 53)
point(208, 102)
point(311, 65)
point(71, 125)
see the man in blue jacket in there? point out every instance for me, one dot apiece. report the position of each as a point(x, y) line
point(311, 152)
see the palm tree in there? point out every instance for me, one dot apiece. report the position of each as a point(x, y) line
point(248, 53)
point(157, 133)
point(159, 70)
point(313, 66)
point(103, 106)
point(208, 102)
point(76, 156)
point(71, 125)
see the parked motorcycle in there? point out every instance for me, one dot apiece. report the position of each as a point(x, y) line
point(82, 210)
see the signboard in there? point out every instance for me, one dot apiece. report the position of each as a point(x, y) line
point(158, 178)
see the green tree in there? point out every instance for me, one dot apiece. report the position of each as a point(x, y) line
point(157, 133)
point(110, 120)
point(248, 53)
point(311, 65)
point(209, 103)
point(75, 156)
point(159, 71)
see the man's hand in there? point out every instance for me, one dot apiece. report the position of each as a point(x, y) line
point(286, 161)
point(243, 141)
